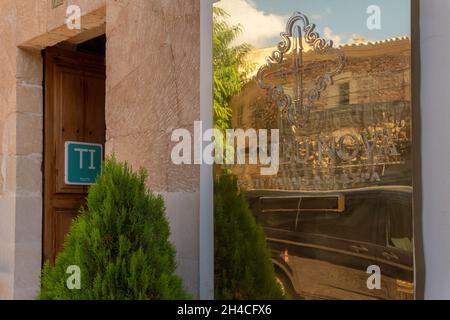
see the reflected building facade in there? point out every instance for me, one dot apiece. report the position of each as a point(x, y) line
point(341, 202)
point(357, 135)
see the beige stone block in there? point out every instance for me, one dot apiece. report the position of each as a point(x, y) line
point(89, 34)
point(28, 219)
point(7, 38)
point(26, 293)
point(9, 134)
point(162, 62)
point(143, 26)
point(6, 286)
point(10, 174)
point(114, 12)
point(37, 18)
point(182, 8)
point(109, 147)
point(153, 151)
point(27, 266)
point(56, 17)
point(183, 178)
point(147, 150)
point(43, 41)
point(188, 270)
point(29, 67)
point(7, 256)
point(7, 91)
point(120, 104)
point(2, 179)
point(31, 18)
point(7, 219)
point(29, 99)
point(29, 134)
point(64, 33)
point(147, 99)
point(182, 210)
point(185, 49)
point(28, 175)
point(56, 30)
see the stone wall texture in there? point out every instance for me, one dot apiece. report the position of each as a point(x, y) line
point(153, 64)
point(7, 147)
point(152, 88)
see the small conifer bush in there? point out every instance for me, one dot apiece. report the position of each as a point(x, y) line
point(120, 242)
point(242, 264)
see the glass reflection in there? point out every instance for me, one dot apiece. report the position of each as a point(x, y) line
point(342, 199)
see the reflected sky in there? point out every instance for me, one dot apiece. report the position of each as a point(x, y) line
point(343, 21)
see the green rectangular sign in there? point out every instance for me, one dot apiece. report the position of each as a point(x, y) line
point(83, 162)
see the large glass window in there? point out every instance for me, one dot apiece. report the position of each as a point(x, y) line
point(324, 88)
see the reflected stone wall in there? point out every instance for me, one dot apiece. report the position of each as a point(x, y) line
point(358, 133)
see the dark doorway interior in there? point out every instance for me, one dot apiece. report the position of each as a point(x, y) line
point(94, 46)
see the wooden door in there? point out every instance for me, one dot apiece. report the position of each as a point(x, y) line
point(74, 111)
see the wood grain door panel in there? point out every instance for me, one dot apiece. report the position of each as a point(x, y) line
point(74, 111)
point(69, 119)
point(63, 219)
point(95, 126)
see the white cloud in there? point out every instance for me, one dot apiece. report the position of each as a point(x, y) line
point(329, 35)
point(342, 39)
point(358, 39)
point(259, 27)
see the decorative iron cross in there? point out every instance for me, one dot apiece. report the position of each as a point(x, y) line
point(295, 71)
point(294, 107)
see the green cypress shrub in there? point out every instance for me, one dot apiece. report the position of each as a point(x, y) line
point(120, 242)
point(242, 264)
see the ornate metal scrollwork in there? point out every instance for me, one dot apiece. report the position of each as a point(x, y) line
point(283, 100)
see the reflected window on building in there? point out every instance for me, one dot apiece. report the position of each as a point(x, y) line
point(344, 93)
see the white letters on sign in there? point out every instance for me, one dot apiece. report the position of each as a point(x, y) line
point(91, 152)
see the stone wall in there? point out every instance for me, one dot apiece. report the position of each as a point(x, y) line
point(152, 88)
point(7, 148)
point(153, 61)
